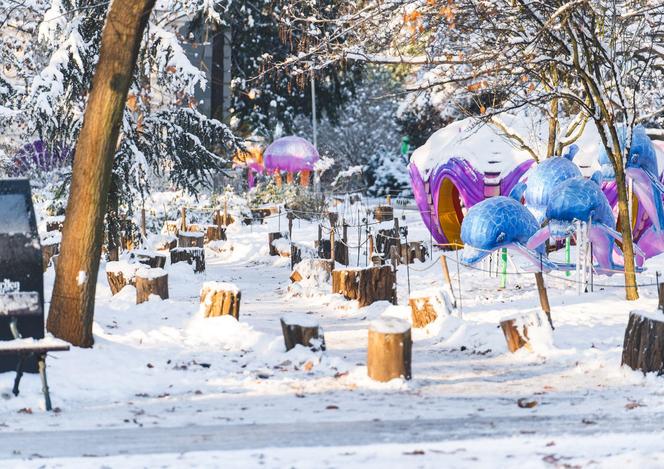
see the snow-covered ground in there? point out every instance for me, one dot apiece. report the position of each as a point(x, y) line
point(164, 386)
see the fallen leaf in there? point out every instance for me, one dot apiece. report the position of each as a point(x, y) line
point(332, 407)
point(150, 365)
point(308, 365)
point(417, 452)
point(633, 405)
point(525, 403)
point(25, 410)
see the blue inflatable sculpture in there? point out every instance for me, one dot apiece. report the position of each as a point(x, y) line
point(500, 222)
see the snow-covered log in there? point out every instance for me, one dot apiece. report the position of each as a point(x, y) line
point(390, 349)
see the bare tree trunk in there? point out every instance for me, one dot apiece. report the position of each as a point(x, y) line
point(72, 304)
point(626, 231)
point(553, 128)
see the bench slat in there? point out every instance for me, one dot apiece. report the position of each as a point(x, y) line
point(28, 345)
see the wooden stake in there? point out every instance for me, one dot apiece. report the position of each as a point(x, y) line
point(143, 228)
point(183, 219)
point(543, 297)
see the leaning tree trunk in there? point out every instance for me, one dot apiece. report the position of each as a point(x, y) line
point(626, 231)
point(72, 303)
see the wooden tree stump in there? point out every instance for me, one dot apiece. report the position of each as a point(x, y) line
point(214, 233)
point(307, 268)
point(153, 259)
point(192, 256)
point(120, 274)
point(302, 329)
point(190, 239)
point(50, 248)
point(643, 348)
point(271, 237)
point(516, 330)
point(166, 242)
point(412, 251)
point(151, 282)
point(390, 349)
point(426, 306)
point(55, 223)
point(385, 239)
point(340, 250)
point(220, 299)
point(384, 213)
point(366, 285)
point(171, 227)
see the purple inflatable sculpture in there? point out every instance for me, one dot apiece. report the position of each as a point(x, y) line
point(458, 167)
point(290, 154)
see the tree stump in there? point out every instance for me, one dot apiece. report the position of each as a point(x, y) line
point(390, 349)
point(271, 237)
point(120, 274)
point(55, 223)
point(340, 250)
point(366, 285)
point(190, 239)
point(192, 256)
point(220, 299)
point(214, 233)
point(320, 269)
point(385, 239)
point(426, 306)
point(643, 348)
point(166, 242)
point(153, 259)
point(302, 329)
point(413, 250)
point(171, 227)
point(383, 213)
point(151, 282)
point(516, 330)
point(50, 248)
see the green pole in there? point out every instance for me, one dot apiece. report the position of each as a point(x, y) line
point(503, 277)
point(568, 256)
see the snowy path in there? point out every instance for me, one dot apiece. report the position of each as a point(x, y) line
point(162, 380)
point(53, 444)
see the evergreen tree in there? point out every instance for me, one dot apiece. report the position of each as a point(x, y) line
point(265, 100)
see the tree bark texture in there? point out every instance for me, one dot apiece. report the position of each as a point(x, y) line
point(389, 355)
point(307, 336)
point(643, 348)
point(631, 291)
point(72, 304)
point(366, 285)
point(220, 303)
point(151, 285)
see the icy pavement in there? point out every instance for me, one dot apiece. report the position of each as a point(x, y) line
point(163, 379)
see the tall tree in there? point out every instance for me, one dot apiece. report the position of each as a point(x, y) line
point(72, 304)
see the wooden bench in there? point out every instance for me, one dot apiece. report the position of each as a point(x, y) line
point(22, 305)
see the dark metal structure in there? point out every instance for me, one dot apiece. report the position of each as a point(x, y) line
point(20, 265)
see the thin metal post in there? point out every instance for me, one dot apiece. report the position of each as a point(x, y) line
point(459, 281)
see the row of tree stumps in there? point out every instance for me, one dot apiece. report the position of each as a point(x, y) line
point(183, 242)
point(389, 349)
